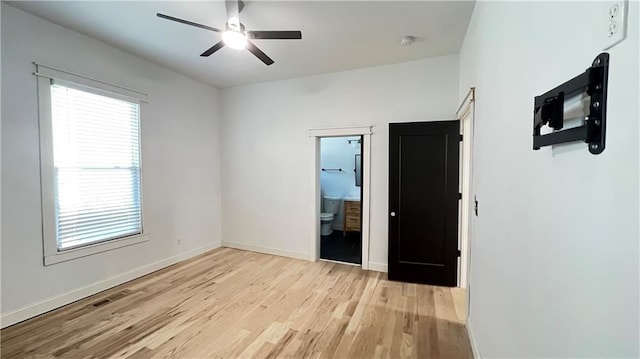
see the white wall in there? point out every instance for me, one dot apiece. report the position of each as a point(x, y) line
point(181, 165)
point(268, 158)
point(554, 268)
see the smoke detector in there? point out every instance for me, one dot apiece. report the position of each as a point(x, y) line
point(407, 40)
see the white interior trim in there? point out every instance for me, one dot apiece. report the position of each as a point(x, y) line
point(314, 253)
point(340, 131)
point(472, 340)
point(365, 132)
point(465, 116)
point(379, 267)
point(69, 254)
point(266, 250)
point(46, 168)
point(56, 73)
point(30, 311)
point(470, 97)
point(366, 197)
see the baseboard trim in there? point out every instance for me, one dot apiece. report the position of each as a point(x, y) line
point(266, 250)
point(472, 340)
point(378, 267)
point(49, 304)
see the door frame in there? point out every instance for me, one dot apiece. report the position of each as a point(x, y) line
point(316, 134)
point(465, 115)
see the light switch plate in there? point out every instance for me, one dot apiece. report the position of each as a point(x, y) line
point(614, 22)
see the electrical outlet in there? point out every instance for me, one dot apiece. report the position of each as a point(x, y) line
point(614, 22)
point(614, 10)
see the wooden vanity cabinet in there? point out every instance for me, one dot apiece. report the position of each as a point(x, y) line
point(351, 217)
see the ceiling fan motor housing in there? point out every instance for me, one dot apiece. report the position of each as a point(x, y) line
point(233, 27)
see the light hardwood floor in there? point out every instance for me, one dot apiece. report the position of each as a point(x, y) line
point(229, 303)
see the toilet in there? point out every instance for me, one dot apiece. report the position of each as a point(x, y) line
point(331, 206)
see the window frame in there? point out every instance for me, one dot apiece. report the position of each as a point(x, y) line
point(46, 77)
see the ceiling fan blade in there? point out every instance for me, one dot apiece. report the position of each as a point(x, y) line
point(259, 54)
point(275, 35)
point(187, 22)
point(213, 49)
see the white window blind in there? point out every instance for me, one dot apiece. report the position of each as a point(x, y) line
point(96, 158)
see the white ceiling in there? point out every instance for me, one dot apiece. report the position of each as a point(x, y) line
point(336, 35)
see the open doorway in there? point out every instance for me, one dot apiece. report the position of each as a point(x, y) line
point(364, 133)
point(340, 199)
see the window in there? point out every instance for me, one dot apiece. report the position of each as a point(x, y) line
point(96, 165)
point(91, 176)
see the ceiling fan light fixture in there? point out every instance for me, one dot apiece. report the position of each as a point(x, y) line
point(235, 39)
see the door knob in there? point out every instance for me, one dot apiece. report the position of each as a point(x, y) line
point(393, 214)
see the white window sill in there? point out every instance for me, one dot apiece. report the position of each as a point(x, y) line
point(70, 254)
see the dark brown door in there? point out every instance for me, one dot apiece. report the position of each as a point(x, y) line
point(423, 202)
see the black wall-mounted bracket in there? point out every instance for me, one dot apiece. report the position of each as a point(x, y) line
point(549, 109)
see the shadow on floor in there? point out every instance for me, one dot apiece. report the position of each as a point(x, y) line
point(341, 248)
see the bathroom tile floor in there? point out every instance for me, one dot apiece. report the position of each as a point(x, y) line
point(341, 248)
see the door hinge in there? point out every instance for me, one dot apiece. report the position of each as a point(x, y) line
point(475, 207)
point(461, 136)
point(459, 195)
point(459, 253)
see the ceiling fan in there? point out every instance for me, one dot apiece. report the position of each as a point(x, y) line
point(234, 34)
